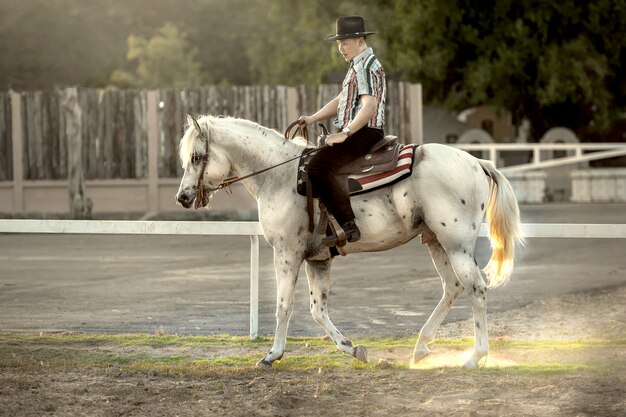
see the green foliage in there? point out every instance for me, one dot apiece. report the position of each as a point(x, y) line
point(165, 60)
point(556, 63)
point(291, 48)
point(553, 62)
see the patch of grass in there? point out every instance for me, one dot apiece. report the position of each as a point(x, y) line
point(128, 353)
point(127, 340)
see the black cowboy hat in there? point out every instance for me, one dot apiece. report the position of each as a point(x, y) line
point(349, 27)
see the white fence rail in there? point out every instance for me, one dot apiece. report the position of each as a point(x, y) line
point(253, 229)
point(611, 150)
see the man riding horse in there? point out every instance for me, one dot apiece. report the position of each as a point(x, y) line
point(359, 115)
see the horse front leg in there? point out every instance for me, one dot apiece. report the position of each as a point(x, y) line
point(287, 265)
point(318, 275)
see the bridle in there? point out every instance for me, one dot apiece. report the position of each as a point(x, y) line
point(300, 130)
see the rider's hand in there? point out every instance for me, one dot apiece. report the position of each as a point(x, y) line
point(336, 138)
point(306, 119)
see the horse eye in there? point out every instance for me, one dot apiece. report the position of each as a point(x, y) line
point(196, 158)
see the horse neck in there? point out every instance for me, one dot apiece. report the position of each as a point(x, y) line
point(252, 148)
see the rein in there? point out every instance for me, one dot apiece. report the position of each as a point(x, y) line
point(300, 129)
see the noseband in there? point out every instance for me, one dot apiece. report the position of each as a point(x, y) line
point(227, 182)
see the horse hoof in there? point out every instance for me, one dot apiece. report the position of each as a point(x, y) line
point(263, 363)
point(474, 362)
point(469, 365)
point(419, 355)
point(361, 354)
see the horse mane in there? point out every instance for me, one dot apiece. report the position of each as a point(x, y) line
point(212, 124)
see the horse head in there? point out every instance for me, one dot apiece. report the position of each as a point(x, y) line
point(206, 165)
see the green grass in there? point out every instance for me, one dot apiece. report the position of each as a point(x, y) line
point(148, 353)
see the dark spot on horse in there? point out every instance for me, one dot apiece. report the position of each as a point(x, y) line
point(285, 271)
point(456, 220)
point(324, 296)
point(281, 299)
point(322, 309)
point(456, 284)
point(474, 288)
point(475, 262)
point(365, 201)
point(405, 194)
point(443, 224)
point(404, 216)
point(417, 218)
point(464, 251)
point(474, 226)
point(462, 201)
point(445, 263)
point(477, 325)
point(362, 210)
point(482, 206)
point(314, 301)
point(311, 292)
point(346, 342)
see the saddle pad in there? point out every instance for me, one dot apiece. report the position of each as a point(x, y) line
point(363, 183)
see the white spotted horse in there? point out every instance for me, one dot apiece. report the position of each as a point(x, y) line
point(445, 199)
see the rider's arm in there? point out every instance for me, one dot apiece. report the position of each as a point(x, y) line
point(365, 113)
point(326, 112)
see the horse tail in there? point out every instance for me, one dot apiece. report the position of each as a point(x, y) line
point(504, 226)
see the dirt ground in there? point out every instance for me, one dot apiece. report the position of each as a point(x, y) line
point(560, 379)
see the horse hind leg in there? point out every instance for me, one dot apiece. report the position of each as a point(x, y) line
point(468, 273)
point(318, 275)
point(452, 288)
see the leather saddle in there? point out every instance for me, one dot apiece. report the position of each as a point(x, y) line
point(383, 156)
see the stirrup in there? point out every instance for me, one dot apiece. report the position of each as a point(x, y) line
point(349, 232)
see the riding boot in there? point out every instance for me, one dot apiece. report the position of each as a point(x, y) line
point(351, 230)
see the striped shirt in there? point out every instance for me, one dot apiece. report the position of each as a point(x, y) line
point(365, 76)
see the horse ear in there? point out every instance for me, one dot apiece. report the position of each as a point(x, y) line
point(196, 125)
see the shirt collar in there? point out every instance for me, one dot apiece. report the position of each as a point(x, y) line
point(361, 56)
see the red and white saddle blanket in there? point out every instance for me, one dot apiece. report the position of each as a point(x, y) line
point(363, 183)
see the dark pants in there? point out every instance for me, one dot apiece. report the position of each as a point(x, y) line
point(332, 189)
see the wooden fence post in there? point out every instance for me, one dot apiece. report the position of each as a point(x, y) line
point(292, 105)
point(152, 114)
point(18, 149)
point(76, 182)
point(416, 113)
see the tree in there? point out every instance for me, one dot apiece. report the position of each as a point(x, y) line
point(290, 47)
point(555, 63)
point(165, 60)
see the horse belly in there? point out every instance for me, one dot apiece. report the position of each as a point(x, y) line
point(384, 217)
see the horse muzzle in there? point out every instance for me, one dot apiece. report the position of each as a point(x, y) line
point(186, 197)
